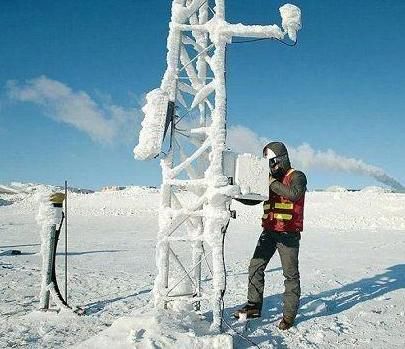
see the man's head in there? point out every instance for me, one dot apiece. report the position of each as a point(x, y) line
point(279, 163)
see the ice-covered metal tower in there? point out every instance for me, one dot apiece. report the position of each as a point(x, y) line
point(191, 105)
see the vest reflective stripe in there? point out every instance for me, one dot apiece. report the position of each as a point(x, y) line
point(291, 170)
point(283, 206)
point(283, 216)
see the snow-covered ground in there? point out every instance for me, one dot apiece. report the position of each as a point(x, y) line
point(352, 271)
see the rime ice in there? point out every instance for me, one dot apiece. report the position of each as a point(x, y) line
point(48, 216)
point(151, 135)
point(195, 80)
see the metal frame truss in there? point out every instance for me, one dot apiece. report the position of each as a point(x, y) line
point(195, 80)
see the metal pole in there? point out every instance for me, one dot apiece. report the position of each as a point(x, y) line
point(66, 241)
point(169, 85)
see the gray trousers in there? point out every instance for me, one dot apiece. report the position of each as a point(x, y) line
point(287, 245)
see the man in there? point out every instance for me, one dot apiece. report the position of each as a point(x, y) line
point(282, 223)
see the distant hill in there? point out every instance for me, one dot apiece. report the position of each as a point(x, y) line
point(25, 188)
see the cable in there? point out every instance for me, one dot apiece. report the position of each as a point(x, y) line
point(181, 117)
point(247, 339)
point(249, 40)
point(183, 134)
point(260, 39)
point(205, 259)
point(54, 279)
point(223, 294)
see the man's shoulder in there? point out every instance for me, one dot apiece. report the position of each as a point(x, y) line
point(298, 175)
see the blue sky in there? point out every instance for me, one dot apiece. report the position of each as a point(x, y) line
point(341, 88)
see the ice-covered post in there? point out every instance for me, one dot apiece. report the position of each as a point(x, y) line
point(49, 217)
point(169, 86)
point(216, 212)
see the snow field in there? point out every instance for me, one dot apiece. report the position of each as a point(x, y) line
point(352, 272)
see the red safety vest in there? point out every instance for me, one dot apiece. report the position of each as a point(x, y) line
point(281, 214)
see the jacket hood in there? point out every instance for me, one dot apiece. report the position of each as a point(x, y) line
point(279, 150)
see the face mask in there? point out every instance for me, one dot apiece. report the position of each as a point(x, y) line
point(275, 165)
point(276, 170)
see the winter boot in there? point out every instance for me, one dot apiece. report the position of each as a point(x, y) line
point(250, 311)
point(285, 323)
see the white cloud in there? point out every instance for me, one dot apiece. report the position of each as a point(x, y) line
point(104, 122)
point(243, 140)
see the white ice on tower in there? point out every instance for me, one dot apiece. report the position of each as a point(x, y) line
point(291, 20)
point(191, 25)
point(153, 125)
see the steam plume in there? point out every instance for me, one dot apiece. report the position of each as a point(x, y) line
point(244, 140)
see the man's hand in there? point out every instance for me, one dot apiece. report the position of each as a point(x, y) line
point(272, 179)
point(248, 201)
point(293, 191)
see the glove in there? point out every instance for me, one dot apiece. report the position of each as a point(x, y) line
point(248, 201)
point(271, 180)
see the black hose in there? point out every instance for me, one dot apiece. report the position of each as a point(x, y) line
point(53, 275)
point(223, 294)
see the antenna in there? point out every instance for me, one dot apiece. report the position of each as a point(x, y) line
point(66, 241)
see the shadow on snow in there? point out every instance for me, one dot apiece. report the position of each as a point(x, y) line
point(326, 303)
point(95, 307)
point(343, 298)
point(24, 245)
point(88, 252)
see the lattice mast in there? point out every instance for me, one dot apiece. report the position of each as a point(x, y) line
point(195, 82)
